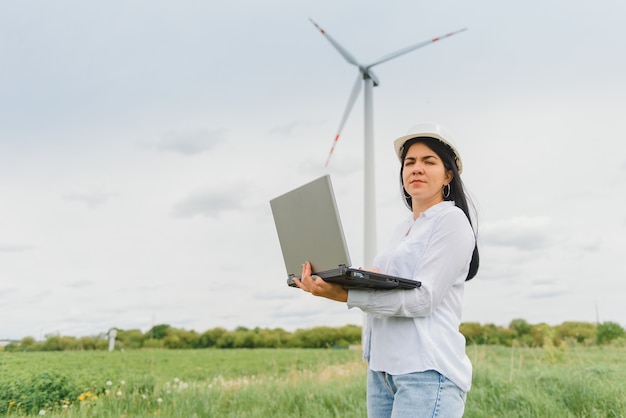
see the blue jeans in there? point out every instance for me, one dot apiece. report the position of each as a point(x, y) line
point(417, 395)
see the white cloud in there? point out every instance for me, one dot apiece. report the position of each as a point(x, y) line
point(92, 198)
point(210, 203)
point(547, 289)
point(14, 248)
point(191, 142)
point(522, 233)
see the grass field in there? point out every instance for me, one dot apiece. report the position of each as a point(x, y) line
point(508, 382)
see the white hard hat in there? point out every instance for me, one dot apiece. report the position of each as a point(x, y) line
point(429, 130)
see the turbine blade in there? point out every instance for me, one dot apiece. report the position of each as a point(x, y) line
point(356, 89)
point(344, 53)
point(413, 48)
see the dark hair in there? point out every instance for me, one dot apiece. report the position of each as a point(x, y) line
point(457, 189)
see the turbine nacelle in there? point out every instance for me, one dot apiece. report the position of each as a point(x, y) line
point(367, 73)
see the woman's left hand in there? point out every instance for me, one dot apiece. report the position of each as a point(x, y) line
point(318, 287)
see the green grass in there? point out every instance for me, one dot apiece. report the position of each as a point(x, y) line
point(563, 382)
point(508, 382)
point(172, 383)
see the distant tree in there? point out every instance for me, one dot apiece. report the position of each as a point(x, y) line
point(473, 332)
point(244, 339)
point(157, 332)
point(505, 336)
point(11, 347)
point(189, 339)
point(226, 340)
point(521, 331)
point(69, 343)
point(581, 332)
point(273, 338)
point(130, 339)
point(542, 333)
point(171, 339)
point(520, 326)
point(317, 337)
point(609, 331)
point(165, 336)
point(209, 338)
point(493, 334)
point(28, 344)
point(52, 343)
point(351, 334)
point(152, 343)
point(87, 343)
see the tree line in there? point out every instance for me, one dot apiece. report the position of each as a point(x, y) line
point(163, 336)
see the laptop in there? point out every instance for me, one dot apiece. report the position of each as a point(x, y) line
point(309, 229)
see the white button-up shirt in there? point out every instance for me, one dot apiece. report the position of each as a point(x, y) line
point(417, 330)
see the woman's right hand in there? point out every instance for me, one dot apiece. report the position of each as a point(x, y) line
point(318, 287)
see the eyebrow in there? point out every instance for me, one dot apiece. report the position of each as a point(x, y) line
point(425, 157)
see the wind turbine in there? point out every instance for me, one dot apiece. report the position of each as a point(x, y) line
point(369, 81)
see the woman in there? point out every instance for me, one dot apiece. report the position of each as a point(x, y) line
point(411, 339)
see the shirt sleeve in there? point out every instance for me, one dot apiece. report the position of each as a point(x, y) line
point(445, 262)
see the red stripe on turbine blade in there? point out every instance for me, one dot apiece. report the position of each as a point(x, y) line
point(332, 149)
point(329, 154)
point(317, 26)
point(435, 39)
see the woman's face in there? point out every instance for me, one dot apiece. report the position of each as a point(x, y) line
point(424, 175)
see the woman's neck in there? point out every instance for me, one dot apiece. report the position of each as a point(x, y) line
point(421, 207)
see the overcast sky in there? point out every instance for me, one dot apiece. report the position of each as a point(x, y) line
point(141, 142)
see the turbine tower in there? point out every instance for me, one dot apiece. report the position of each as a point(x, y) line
point(369, 80)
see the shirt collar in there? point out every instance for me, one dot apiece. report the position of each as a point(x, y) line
point(435, 209)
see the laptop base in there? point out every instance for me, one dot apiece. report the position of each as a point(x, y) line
point(350, 278)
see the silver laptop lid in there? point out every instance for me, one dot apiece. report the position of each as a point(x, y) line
point(309, 227)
